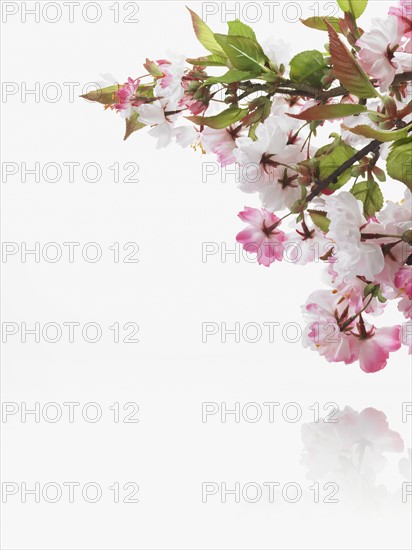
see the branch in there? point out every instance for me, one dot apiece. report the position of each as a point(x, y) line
point(332, 178)
point(300, 89)
point(372, 147)
point(287, 87)
point(403, 77)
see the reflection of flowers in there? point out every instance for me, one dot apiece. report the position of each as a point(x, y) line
point(405, 466)
point(351, 448)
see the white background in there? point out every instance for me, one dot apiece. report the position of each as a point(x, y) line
point(170, 212)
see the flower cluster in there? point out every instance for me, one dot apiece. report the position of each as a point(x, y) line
point(262, 113)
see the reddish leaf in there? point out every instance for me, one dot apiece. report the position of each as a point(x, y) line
point(347, 69)
point(329, 112)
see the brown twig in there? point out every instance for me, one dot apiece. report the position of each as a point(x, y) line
point(288, 87)
point(332, 178)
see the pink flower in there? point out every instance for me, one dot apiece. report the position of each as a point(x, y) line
point(394, 219)
point(220, 142)
point(403, 280)
point(353, 292)
point(405, 307)
point(380, 55)
point(126, 95)
point(404, 14)
point(195, 106)
point(327, 313)
point(262, 236)
point(373, 346)
point(167, 78)
point(190, 83)
point(169, 86)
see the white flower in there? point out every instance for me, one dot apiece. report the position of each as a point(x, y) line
point(394, 219)
point(283, 190)
point(354, 257)
point(163, 126)
point(170, 86)
point(261, 164)
point(185, 135)
point(306, 250)
point(379, 55)
point(153, 114)
point(278, 51)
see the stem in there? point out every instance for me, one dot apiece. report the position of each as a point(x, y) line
point(371, 147)
point(288, 87)
point(366, 236)
point(169, 113)
point(274, 226)
point(309, 91)
point(350, 321)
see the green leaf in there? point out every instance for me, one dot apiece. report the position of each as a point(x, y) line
point(152, 68)
point(106, 96)
point(330, 162)
point(132, 125)
point(308, 67)
point(319, 23)
point(329, 112)
point(237, 28)
point(370, 194)
point(208, 61)
point(222, 120)
point(347, 69)
point(244, 53)
point(205, 35)
point(320, 220)
point(399, 161)
point(233, 75)
point(355, 7)
point(381, 135)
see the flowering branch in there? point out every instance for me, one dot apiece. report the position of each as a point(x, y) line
point(263, 114)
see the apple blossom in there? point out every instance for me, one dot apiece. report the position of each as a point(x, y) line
point(169, 85)
point(403, 280)
point(405, 307)
point(257, 158)
point(126, 97)
point(307, 244)
point(262, 236)
point(404, 14)
point(266, 165)
point(221, 142)
point(355, 256)
point(373, 345)
point(154, 114)
point(380, 53)
point(327, 314)
point(353, 291)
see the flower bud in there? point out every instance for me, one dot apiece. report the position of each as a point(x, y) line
point(407, 236)
point(390, 106)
